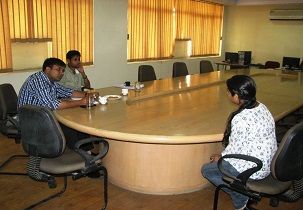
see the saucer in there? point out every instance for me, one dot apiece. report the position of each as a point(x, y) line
point(112, 97)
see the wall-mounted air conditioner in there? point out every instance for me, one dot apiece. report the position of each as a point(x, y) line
point(279, 14)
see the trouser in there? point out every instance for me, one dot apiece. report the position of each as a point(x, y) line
point(72, 136)
point(212, 173)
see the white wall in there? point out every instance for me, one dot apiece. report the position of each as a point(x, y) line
point(249, 28)
point(110, 63)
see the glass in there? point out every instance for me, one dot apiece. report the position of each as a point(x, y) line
point(137, 86)
point(90, 101)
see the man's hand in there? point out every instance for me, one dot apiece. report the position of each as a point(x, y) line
point(81, 69)
point(215, 157)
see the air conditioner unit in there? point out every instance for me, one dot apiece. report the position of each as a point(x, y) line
point(286, 14)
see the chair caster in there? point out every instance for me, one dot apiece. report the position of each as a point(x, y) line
point(274, 202)
point(52, 183)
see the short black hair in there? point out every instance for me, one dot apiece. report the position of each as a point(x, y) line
point(50, 62)
point(72, 53)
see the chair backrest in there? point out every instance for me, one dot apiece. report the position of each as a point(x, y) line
point(206, 66)
point(146, 73)
point(179, 69)
point(272, 64)
point(8, 100)
point(287, 164)
point(41, 134)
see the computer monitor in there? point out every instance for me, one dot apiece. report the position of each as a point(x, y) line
point(231, 57)
point(291, 62)
point(244, 57)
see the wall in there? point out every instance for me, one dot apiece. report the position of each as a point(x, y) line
point(110, 65)
point(249, 28)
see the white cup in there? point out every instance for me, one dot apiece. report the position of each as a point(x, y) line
point(124, 91)
point(102, 100)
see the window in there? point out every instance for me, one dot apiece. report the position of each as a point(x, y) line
point(154, 26)
point(67, 24)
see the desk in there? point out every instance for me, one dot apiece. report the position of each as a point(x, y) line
point(160, 137)
point(235, 65)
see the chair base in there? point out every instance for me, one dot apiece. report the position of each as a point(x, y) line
point(10, 159)
point(102, 168)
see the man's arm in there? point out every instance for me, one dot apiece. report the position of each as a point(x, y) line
point(74, 103)
point(78, 94)
point(84, 76)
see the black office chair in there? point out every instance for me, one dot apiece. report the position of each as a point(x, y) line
point(271, 65)
point(9, 125)
point(206, 66)
point(179, 69)
point(146, 73)
point(286, 166)
point(43, 140)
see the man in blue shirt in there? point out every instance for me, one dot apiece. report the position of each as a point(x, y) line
point(43, 89)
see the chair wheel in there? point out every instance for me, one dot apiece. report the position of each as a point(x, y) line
point(274, 202)
point(52, 183)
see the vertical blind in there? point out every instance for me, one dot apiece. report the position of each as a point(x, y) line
point(5, 46)
point(67, 23)
point(201, 22)
point(150, 29)
point(153, 27)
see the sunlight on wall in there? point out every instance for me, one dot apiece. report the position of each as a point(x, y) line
point(29, 55)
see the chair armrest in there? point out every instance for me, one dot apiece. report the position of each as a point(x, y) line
point(90, 159)
point(244, 176)
point(14, 120)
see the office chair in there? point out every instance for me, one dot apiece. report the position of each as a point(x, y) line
point(179, 69)
point(44, 142)
point(272, 65)
point(287, 122)
point(146, 73)
point(206, 66)
point(286, 166)
point(9, 125)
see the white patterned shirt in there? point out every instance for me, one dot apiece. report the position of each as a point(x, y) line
point(252, 133)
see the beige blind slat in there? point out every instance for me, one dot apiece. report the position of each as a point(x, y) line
point(154, 25)
point(69, 23)
point(5, 45)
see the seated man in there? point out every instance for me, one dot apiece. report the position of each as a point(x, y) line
point(43, 89)
point(74, 76)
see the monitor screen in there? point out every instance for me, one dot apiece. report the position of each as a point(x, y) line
point(231, 57)
point(291, 62)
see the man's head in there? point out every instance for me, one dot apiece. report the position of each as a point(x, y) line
point(54, 68)
point(73, 58)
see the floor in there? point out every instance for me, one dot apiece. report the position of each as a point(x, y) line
point(17, 192)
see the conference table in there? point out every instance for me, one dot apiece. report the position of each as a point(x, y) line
point(160, 137)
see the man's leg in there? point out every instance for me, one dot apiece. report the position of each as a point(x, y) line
point(72, 136)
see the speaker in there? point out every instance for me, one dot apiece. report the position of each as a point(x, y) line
point(244, 57)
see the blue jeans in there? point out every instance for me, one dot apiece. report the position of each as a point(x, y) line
point(212, 173)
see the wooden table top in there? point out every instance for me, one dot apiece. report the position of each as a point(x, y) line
point(182, 110)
